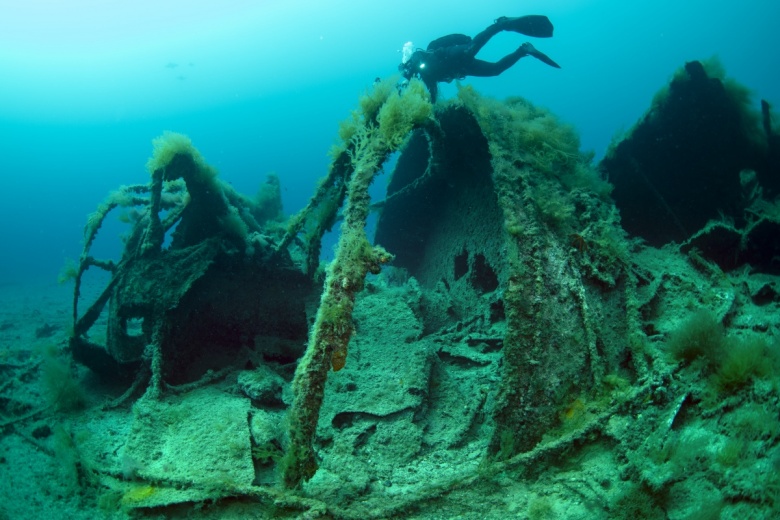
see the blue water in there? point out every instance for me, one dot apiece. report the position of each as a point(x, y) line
point(260, 87)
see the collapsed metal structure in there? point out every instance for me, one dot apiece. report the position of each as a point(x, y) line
point(494, 220)
point(491, 207)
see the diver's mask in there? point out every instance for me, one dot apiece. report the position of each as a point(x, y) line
point(408, 66)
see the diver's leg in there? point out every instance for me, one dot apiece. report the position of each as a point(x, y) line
point(531, 25)
point(486, 69)
point(482, 38)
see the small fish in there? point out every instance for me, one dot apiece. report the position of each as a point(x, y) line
point(171, 65)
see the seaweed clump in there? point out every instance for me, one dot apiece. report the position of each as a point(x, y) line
point(700, 336)
point(731, 362)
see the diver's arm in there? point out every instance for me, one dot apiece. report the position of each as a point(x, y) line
point(433, 88)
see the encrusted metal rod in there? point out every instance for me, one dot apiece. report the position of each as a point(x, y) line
point(384, 129)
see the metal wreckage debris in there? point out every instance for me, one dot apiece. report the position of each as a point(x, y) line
point(502, 284)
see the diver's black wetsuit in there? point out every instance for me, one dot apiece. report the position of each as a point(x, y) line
point(454, 56)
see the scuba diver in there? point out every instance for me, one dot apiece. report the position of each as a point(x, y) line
point(454, 56)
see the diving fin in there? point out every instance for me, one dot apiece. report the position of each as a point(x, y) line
point(530, 50)
point(535, 25)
